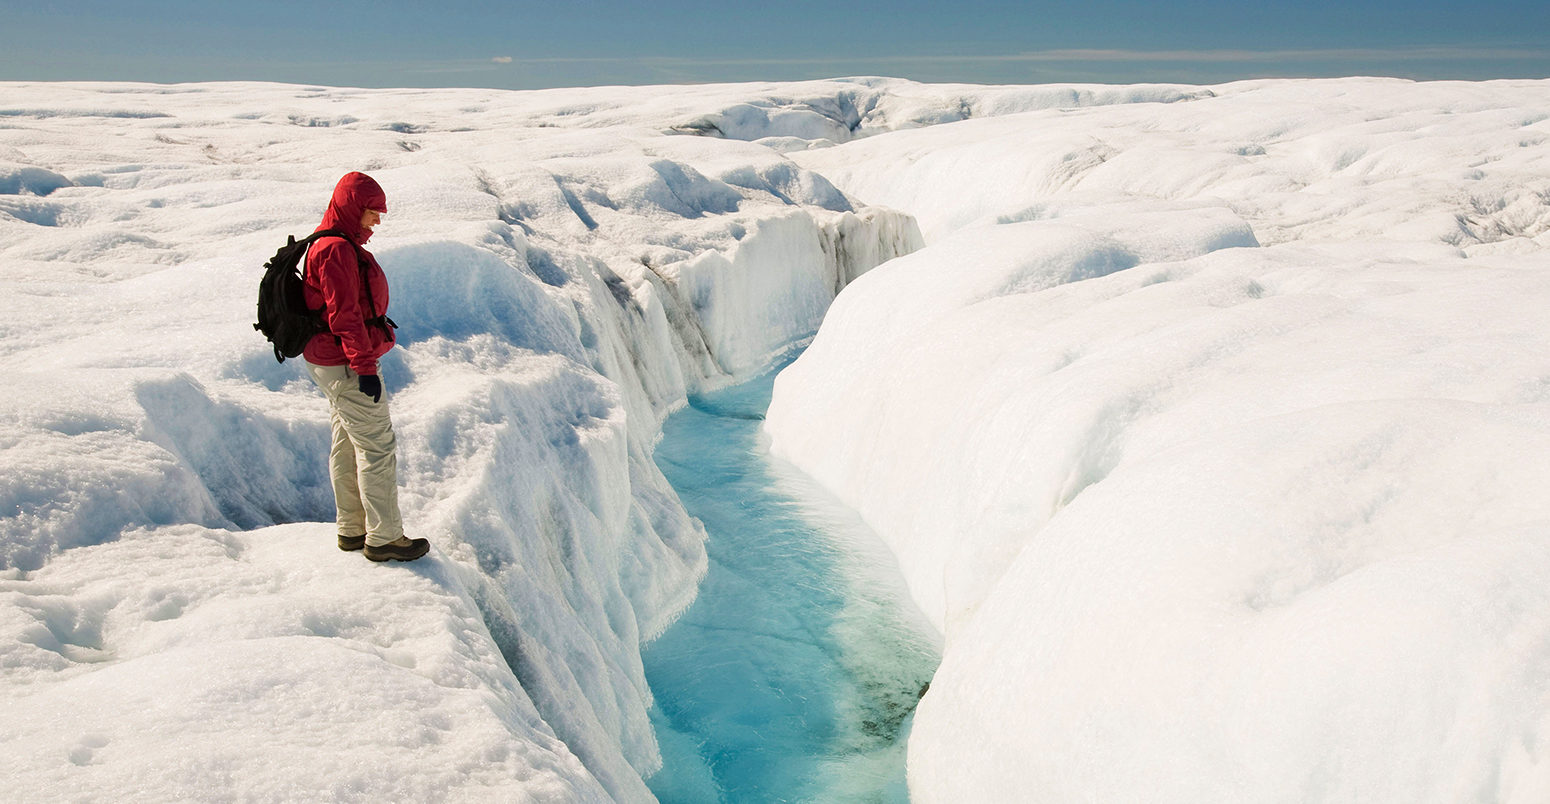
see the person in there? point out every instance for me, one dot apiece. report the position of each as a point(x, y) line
point(345, 280)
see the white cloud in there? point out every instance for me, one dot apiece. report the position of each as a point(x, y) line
point(501, 59)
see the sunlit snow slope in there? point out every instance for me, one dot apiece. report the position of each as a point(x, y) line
point(1215, 437)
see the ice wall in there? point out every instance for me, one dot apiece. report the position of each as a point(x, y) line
point(1213, 436)
point(559, 292)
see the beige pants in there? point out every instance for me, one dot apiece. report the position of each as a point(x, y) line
point(363, 460)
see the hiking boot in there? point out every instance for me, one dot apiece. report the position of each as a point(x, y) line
point(403, 549)
point(352, 542)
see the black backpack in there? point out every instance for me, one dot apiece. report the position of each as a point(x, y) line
point(283, 315)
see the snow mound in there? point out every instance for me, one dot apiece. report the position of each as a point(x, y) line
point(1213, 437)
point(24, 180)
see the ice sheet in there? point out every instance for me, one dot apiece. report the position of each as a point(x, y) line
point(1213, 436)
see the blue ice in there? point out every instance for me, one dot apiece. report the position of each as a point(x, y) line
point(794, 674)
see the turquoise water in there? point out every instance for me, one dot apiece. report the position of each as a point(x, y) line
point(794, 674)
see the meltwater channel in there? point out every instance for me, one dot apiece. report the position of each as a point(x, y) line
point(794, 675)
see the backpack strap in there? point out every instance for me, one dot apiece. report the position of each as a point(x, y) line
point(381, 321)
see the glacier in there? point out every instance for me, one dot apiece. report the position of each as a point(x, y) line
point(1208, 427)
point(1212, 437)
point(175, 623)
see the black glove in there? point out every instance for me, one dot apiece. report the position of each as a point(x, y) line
point(371, 385)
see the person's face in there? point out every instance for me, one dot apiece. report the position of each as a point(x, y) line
point(370, 218)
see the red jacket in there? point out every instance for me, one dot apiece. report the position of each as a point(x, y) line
point(333, 280)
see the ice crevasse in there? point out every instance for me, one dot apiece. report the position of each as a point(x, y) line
point(175, 621)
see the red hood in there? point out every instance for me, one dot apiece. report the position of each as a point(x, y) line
point(353, 195)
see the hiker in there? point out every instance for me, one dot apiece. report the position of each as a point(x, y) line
point(344, 278)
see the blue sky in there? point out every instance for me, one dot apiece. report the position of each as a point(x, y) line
point(529, 45)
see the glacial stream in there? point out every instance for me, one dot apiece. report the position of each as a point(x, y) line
point(793, 676)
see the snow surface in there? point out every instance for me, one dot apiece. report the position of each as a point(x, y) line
point(1210, 428)
point(176, 622)
point(1214, 438)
